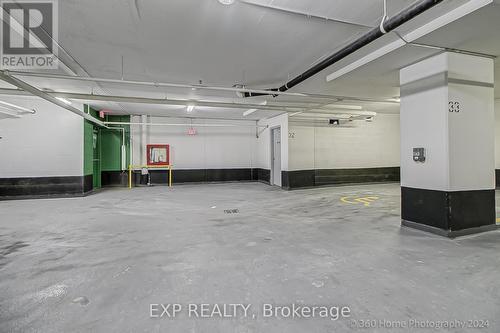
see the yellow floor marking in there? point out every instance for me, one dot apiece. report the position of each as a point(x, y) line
point(366, 201)
point(344, 199)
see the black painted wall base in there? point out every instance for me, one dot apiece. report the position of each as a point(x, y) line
point(263, 175)
point(114, 178)
point(448, 233)
point(321, 177)
point(160, 177)
point(77, 186)
point(35, 187)
point(88, 183)
point(448, 213)
point(44, 187)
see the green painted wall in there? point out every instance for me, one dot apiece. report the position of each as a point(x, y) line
point(91, 151)
point(88, 146)
point(111, 142)
point(105, 153)
point(88, 151)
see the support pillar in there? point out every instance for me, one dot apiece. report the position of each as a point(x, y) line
point(447, 145)
point(144, 139)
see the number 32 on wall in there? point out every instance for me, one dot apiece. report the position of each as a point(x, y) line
point(453, 106)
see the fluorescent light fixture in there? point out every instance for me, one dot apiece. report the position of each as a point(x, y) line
point(350, 115)
point(343, 107)
point(190, 108)
point(250, 111)
point(8, 113)
point(433, 25)
point(366, 59)
point(17, 108)
point(64, 100)
point(323, 116)
point(226, 2)
point(351, 112)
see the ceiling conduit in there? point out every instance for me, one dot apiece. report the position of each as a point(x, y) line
point(387, 25)
point(5, 76)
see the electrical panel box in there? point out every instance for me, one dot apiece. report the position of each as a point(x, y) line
point(419, 155)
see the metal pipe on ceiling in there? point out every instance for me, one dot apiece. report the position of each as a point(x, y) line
point(198, 118)
point(387, 25)
point(145, 100)
point(165, 84)
point(29, 88)
point(446, 49)
point(156, 101)
point(175, 102)
point(305, 14)
point(181, 124)
point(20, 92)
point(89, 97)
point(334, 98)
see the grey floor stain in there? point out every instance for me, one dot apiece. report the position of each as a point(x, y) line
point(11, 248)
point(82, 300)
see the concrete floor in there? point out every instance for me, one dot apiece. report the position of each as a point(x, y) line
point(97, 263)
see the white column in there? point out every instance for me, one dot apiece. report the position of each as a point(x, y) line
point(144, 139)
point(447, 110)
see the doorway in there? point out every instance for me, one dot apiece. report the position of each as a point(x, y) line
point(276, 156)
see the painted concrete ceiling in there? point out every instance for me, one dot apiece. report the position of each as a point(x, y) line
point(259, 43)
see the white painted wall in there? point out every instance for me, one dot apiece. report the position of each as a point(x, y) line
point(424, 124)
point(48, 143)
point(365, 145)
point(472, 138)
point(52, 141)
point(264, 142)
point(497, 134)
point(210, 148)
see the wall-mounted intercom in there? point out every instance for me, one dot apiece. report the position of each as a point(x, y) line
point(419, 155)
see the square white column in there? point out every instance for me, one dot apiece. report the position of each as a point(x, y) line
point(447, 112)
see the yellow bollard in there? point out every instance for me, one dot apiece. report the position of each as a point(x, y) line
point(129, 176)
point(169, 176)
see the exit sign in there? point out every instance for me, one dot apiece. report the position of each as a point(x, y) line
point(191, 131)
